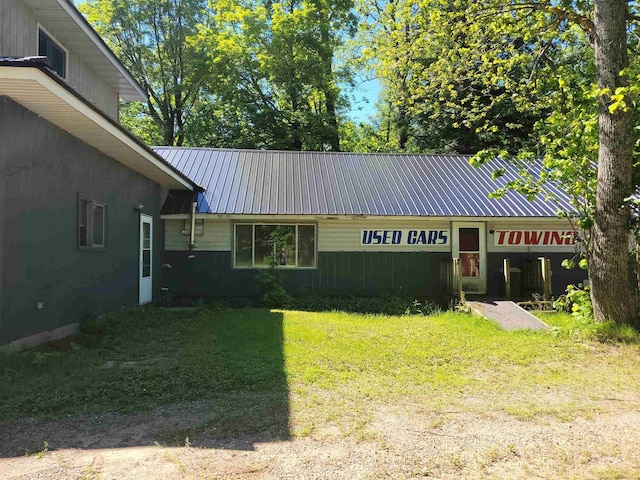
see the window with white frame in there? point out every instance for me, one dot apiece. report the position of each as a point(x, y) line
point(284, 245)
point(92, 224)
point(55, 53)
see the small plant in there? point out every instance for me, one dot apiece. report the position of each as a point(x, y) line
point(38, 453)
point(577, 302)
point(270, 286)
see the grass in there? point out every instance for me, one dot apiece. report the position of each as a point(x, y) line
point(292, 373)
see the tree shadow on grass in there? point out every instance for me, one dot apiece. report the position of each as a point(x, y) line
point(212, 379)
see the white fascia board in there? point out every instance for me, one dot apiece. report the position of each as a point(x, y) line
point(73, 12)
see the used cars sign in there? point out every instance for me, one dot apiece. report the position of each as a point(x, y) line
point(404, 237)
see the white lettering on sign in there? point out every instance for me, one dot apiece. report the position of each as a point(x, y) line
point(545, 238)
point(404, 237)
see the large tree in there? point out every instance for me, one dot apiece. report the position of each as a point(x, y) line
point(527, 81)
point(152, 38)
point(562, 38)
point(608, 268)
point(275, 62)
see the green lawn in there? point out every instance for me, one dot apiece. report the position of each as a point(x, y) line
point(286, 372)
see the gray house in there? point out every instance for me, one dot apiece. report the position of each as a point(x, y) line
point(80, 197)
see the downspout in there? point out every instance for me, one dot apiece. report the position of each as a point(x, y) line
point(192, 233)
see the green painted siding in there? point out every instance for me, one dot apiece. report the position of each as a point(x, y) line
point(44, 169)
point(210, 274)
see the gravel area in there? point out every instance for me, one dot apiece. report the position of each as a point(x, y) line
point(399, 442)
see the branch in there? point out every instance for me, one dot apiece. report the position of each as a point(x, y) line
point(584, 22)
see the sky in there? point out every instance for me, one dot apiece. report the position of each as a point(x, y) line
point(363, 105)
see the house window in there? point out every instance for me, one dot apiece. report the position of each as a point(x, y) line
point(263, 245)
point(55, 53)
point(92, 224)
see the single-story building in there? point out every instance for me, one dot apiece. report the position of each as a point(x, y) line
point(347, 223)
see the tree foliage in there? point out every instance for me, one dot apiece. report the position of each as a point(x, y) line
point(151, 37)
point(275, 62)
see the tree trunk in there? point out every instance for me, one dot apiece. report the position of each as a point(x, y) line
point(329, 90)
point(330, 104)
point(402, 125)
point(611, 291)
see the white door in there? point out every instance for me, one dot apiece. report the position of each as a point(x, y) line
point(470, 246)
point(146, 259)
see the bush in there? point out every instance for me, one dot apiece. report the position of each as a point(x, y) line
point(272, 293)
point(577, 302)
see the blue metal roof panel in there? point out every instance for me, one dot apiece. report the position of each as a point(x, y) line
point(328, 183)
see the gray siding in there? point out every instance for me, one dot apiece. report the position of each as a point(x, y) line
point(17, 29)
point(44, 170)
point(18, 38)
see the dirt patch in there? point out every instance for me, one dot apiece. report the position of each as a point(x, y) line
point(401, 441)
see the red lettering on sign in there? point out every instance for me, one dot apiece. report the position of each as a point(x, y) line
point(532, 238)
point(535, 237)
point(515, 237)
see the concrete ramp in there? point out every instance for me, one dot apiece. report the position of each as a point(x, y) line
point(506, 314)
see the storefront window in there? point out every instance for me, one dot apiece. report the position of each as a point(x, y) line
point(260, 245)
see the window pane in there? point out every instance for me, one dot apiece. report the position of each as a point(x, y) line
point(264, 247)
point(97, 237)
point(146, 263)
point(42, 44)
point(307, 246)
point(470, 264)
point(244, 240)
point(83, 217)
point(469, 239)
point(284, 239)
point(55, 55)
point(146, 235)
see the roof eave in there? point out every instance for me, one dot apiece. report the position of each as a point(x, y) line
point(41, 91)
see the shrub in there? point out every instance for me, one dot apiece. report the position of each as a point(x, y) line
point(575, 301)
point(270, 287)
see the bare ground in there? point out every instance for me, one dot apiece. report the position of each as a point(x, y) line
point(399, 442)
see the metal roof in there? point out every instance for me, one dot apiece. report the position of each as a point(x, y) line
point(263, 182)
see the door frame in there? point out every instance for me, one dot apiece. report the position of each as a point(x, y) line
point(472, 285)
point(145, 284)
